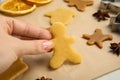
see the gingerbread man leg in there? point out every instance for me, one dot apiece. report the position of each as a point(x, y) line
point(55, 62)
point(91, 42)
point(99, 44)
point(74, 57)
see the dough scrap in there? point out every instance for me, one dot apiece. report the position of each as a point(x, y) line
point(14, 71)
point(61, 15)
point(62, 49)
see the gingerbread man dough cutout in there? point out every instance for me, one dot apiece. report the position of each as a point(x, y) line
point(61, 15)
point(80, 4)
point(97, 38)
point(62, 49)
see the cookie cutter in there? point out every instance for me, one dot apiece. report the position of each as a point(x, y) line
point(1, 1)
point(111, 5)
point(115, 23)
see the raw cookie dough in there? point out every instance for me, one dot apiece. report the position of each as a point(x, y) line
point(80, 4)
point(14, 71)
point(62, 49)
point(97, 38)
point(61, 15)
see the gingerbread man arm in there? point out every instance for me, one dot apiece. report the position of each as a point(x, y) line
point(90, 41)
point(49, 14)
point(86, 36)
point(107, 37)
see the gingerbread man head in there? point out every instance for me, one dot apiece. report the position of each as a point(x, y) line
point(57, 29)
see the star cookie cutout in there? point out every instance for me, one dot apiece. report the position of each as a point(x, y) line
point(79, 4)
point(97, 38)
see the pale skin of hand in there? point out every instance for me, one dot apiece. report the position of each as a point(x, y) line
point(11, 47)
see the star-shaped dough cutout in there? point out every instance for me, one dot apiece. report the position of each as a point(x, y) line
point(97, 38)
point(79, 4)
point(61, 15)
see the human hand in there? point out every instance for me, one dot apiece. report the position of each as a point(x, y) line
point(12, 48)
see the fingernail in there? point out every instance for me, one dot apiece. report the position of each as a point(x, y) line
point(47, 45)
point(49, 36)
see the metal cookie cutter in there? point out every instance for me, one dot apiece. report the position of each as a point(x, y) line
point(111, 5)
point(115, 23)
point(2, 1)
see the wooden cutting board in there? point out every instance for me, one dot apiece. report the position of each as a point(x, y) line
point(95, 63)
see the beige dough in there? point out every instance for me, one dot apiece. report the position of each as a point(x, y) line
point(61, 15)
point(62, 49)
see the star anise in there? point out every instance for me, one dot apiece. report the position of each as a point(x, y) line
point(101, 14)
point(43, 78)
point(116, 48)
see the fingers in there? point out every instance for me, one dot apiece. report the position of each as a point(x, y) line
point(23, 37)
point(28, 30)
point(32, 47)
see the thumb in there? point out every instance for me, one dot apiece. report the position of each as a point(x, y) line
point(31, 47)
